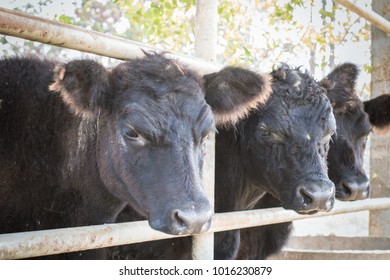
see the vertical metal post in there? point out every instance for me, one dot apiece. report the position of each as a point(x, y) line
point(205, 48)
point(380, 145)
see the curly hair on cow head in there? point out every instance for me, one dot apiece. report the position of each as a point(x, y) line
point(297, 84)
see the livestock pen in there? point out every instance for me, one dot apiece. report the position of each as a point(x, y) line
point(47, 242)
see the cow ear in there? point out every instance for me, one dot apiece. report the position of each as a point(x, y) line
point(378, 110)
point(233, 92)
point(340, 86)
point(344, 76)
point(83, 85)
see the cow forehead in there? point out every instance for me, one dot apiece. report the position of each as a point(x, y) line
point(168, 118)
point(181, 104)
point(292, 118)
point(354, 122)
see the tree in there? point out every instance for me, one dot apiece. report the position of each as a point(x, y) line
point(251, 33)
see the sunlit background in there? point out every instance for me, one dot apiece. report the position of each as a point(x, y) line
point(317, 34)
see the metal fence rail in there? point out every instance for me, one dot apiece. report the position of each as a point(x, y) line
point(372, 17)
point(48, 242)
point(37, 29)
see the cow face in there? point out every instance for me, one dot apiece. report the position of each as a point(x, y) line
point(153, 119)
point(345, 159)
point(287, 142)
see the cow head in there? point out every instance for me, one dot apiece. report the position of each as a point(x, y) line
point(287, 141)
point(345, 158)
point(153, 116)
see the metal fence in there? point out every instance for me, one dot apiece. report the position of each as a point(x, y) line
point(47, 242)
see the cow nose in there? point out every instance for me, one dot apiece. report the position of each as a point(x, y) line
point(349, 191)
point(316, 197)
point(190, 220)
point(190, 217)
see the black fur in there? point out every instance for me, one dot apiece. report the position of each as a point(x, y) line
point(277, 150)
point(101, 141)
point(345, 162)
point(261, 242)
point(345, 158)
point(378, 110)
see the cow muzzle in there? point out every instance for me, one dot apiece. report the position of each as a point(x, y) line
point(313, 197)
point(353, 190)
point(187, 219)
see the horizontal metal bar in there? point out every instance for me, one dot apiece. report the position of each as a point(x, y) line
point(372, 17)
point(251, 218)
point(48, 242)
point(37, 29)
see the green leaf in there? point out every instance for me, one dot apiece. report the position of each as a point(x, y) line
point(247, 52)
point(368, 68)
point(66, 19)
point(297, 2)
point(327, 14)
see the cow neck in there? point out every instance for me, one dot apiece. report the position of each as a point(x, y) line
point(233, 188)
point(81, 163)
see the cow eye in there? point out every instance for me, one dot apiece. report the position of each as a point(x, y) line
point(131, 134)
point(264, 131)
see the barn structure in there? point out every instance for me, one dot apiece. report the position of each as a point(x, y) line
point(376, 246)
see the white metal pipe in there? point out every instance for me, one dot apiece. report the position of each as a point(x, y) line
point(46, 31)
point(203, 244)
point(251, 218)
point(372, 17)
point(205, 48)
point(48, 242)
point(206, 29)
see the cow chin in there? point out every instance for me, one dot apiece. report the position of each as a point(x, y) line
point(304, 209)
point(179, 229)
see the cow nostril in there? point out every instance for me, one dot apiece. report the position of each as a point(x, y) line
point(188, 221)
point(316, 197)
point(178, 219)
point(307, 199)
point(346, 189)
point(353, 190)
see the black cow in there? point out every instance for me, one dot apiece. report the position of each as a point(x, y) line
point(345, 159)
point(277, 156)
point(278, 151)
point(133, 135)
